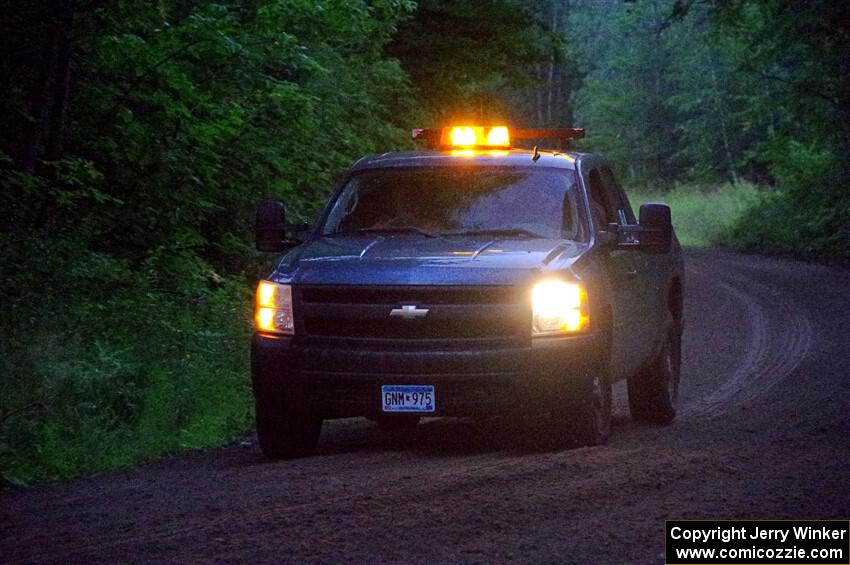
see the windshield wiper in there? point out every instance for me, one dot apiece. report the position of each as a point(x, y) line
point(512, 232)
point(390, 229)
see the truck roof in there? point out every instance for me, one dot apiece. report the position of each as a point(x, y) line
point(493, 158)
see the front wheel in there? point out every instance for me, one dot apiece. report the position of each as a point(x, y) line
point(585, 417)
point(590, 419)
point(285, 433)
point(653, 391)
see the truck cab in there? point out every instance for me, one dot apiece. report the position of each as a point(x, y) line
point(470, 278)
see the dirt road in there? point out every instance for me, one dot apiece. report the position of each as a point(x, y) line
point(763, 432)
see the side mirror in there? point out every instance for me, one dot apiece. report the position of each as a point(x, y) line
point(271, 227)
point(656, 229)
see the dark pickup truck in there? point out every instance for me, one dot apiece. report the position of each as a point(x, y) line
point(472, 278)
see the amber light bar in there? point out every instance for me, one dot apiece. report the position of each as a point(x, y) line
point(494, 137)
point(466, 137)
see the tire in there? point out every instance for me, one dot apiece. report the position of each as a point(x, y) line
point(284, 433)
point(653, 391)
point(589, 422)
point(585, 419)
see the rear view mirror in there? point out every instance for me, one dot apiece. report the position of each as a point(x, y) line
point(270, 231)
point(656, 229)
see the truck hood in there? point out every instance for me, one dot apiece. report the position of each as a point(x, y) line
point(412, 259)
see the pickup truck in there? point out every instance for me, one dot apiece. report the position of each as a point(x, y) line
point(471, 278)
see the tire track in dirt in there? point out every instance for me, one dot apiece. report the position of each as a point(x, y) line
point(780, 336)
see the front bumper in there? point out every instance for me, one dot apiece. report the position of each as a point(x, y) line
point(335, 382)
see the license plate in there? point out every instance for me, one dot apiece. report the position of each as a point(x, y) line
point(408, 398)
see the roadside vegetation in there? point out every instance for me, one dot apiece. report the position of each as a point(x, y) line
point(702, 214)
point(136, 138)
point(733, 94)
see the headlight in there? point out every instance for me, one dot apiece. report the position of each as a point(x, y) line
point(559, 308)
point(273, 312)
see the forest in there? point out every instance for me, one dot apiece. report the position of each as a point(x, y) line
point(137, 136)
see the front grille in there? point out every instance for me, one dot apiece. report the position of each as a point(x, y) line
point(409, 329)
point(484, 315)
point(393, 296)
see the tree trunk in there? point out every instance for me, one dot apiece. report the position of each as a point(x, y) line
point(61, 84)
point(721, 112)
point(58, 101)
point(39, 102)
point(539, 96)
point(559, 98)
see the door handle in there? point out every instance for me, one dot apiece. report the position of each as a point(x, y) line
point(632, 273)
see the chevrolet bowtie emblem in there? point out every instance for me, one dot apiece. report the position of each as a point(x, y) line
point(408, 312)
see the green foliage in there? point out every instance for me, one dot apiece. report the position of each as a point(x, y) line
point(727, 92)
point(624, 102)
point(92, 384)
point(799, 50)
point(781, 224)
point(702, 214)
point(809, 216)
point(468, 58)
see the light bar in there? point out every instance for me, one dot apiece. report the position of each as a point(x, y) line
point(469, 137)
point(475, 136)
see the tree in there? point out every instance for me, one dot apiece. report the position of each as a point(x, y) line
point(624, 102)
point(467, 59)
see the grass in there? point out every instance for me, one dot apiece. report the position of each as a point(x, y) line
point(703, 215)
point(811, 224)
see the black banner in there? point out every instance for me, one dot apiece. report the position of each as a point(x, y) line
point(757, 542)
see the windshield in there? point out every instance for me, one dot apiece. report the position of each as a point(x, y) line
point(432, 201)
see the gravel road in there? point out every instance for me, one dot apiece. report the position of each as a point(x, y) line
point(763, 432)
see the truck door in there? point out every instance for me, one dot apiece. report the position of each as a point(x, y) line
point(646, 278)
point(623, 268)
